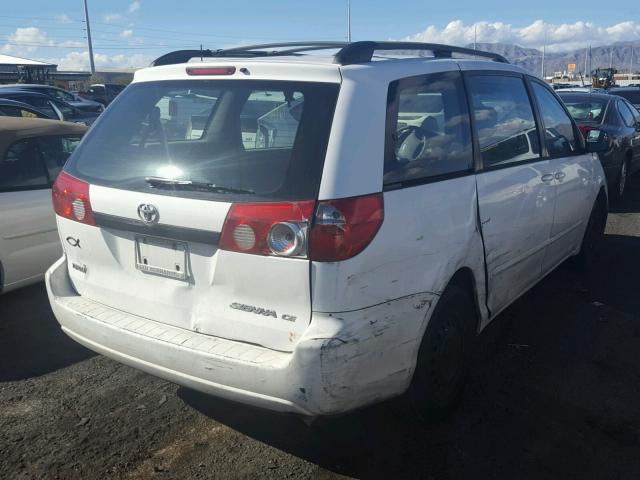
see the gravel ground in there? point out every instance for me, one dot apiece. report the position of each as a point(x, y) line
point(554, 393)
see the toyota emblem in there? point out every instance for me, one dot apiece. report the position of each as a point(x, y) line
point(148, 213)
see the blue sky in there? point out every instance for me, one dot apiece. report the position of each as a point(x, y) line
point(128, 33)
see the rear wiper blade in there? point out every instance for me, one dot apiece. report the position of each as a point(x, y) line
point(192, 185)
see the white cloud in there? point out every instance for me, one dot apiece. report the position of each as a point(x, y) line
point(62, 18)
point(134, 7)
point(26, 40)
point(126, 33)
point(80, 61)
point(112, 17)
point(559, 37)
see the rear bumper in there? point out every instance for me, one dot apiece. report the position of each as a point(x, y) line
point(343, 361)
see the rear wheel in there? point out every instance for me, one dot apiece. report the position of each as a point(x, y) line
point(442, 360)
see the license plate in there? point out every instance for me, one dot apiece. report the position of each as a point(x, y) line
point(163, 257)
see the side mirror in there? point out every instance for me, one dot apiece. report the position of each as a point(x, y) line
point(597, 141)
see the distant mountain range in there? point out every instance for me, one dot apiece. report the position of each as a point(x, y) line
point(618, 54)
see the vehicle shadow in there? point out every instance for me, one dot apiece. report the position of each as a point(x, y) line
point(31, 341)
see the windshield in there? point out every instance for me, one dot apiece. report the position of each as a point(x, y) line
point(265, 138)
point(585, 108)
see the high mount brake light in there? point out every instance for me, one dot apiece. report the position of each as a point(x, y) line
point(71, 199)
point(211, 70)
point(340, 230)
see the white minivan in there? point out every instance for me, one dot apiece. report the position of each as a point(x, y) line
point(335, 231)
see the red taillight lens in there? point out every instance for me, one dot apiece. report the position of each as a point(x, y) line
point(585, 129)
point(71, 199)
point(211, 70)
point(268, 228)
point(343, 228)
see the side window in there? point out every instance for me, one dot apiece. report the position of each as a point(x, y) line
point(504, 120)
point(11, 111)
point(41, 104)
point(55, 151)
point(428, 132)
point(627, 115)
point(269, 119)
point(21, 168)
point(559, 134)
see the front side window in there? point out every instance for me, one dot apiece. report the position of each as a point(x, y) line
point(21, 167)
point(504, 120)
point(559, 133)
point(428, 132)
point(238, 140)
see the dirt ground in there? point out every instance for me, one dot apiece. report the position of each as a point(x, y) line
point(554, 392)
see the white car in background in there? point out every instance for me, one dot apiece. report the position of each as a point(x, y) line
point(32, 153)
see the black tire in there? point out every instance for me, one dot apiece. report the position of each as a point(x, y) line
point(618, 189)
point(442, 364)
point(593, 236)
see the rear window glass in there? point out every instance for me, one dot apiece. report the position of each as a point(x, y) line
point(585, 108)
point(249, 140)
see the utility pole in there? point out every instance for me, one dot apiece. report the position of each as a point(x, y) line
point(349, 20)
point(611, 58)
point(86, 19)
point(586, 56)
point(544, 50)
point(631, 65)
point(475, 37)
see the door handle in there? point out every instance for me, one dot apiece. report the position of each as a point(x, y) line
point(547, 177)
point(560, 175)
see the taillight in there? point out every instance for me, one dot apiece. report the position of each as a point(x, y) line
point(71, 199)
point(268, 228)
point(343, 228)
point(585, 129)
point(339, 230)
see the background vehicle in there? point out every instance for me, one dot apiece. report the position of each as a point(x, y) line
point(621, 121)
point(12, 108)
point(347, 254)
point(32, 153)
point(603, 77)
point(103, 93)
point(59, 94)
point(632, 94)
point(53, 108)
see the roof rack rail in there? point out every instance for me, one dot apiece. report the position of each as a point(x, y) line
point(348, 53)
point(248, 51)
point(362, 52)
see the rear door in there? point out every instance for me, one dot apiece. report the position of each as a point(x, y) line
point(572, 172)
point(169, 163)
point(631, 118)
point(28, 239)
point(516, 194)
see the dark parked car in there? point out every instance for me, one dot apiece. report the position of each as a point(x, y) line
point(621, 121)
point(59, 94)
point(54, 108)
point(103, 93)
point(11, 108)
point(632, 94)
